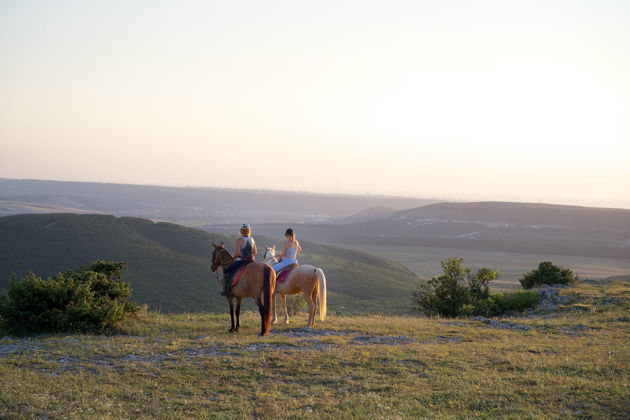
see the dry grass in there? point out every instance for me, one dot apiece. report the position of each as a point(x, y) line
point(575, 363)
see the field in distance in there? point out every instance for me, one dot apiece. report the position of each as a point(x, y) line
point(425, 262)
point(570, 364)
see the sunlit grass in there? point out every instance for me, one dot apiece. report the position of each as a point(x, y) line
point(573, 363)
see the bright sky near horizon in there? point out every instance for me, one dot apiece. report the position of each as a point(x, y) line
point(497, 100)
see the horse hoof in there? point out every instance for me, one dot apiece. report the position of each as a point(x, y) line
point(237, 330)
point(231, 330)
point(262, 334)
point(275, 321)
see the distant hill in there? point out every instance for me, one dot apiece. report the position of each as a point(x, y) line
point(487, 226)
point(169, 265)
point(533, 215)
point(190, 206)
point(373, 213)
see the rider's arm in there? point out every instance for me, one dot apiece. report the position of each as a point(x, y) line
point(239, 244)
point(254, 249)
point(299, 249)
point(284, 249)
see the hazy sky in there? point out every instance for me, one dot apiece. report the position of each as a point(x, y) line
point(505, 100)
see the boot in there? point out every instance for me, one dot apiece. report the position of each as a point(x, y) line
point(227, 279)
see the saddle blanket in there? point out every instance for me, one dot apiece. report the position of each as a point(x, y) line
point(284, 273)
point(237, 276)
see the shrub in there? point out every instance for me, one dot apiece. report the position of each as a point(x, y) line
point(445, 294)
point(455, 292)
point(88, 299)
point(518, 301)
point(295, 304)
point(548, 273)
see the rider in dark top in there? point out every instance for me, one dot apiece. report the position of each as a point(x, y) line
point(244, 254)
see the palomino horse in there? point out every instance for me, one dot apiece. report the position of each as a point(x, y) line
point(257, 279)
point(304, 278)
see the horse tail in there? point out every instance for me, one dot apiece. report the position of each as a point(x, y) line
point(268, 286)
point(322, 293)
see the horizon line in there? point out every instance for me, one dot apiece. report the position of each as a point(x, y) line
point(332, 194)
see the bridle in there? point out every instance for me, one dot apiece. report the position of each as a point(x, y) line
point(222, 262)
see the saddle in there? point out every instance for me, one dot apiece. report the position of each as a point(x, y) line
point(237, 276)
point(284, 273)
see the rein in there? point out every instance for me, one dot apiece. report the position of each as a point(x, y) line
point(223, 262)
point(227, 260)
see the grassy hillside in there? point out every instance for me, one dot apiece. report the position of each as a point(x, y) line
point(169, 266)
point(570, 364)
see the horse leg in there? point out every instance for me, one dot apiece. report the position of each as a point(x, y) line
point(261, 309)
point(314, 300)
point(275, 315)
point(311, 308)
point(284, 309)
point(238, 314)
point(231, 314)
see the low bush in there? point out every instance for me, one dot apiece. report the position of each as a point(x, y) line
point(89, 299)
point(295, 304)
point(445, 294)
point(518, 301)
point(457, 292)
point(548, 273)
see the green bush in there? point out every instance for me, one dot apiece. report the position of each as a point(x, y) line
point(548, 273)
point(518, 301)
point(89, 299)
point(457, 292)
point(295, 304)
point(445, 294)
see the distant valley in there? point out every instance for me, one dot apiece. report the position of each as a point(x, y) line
point(416, 233)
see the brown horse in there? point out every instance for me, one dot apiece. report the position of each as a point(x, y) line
point(306, 279)
point(257, 279)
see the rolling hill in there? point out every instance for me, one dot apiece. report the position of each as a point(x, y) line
point(190, 206)
point(169, 266)
point(486, 226)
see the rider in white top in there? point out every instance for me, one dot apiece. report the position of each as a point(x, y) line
point(290, 251)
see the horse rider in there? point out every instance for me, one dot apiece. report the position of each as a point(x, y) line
point(290, 250)
point(244, 254)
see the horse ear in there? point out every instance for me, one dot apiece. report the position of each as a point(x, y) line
point(273, 247)
point(221, 246)
point(213, 244)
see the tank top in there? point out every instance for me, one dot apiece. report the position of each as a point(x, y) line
point(292, 252)
point(247, 249)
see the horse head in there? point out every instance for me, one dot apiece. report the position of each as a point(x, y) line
point(216, 252)
point(270, 253)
